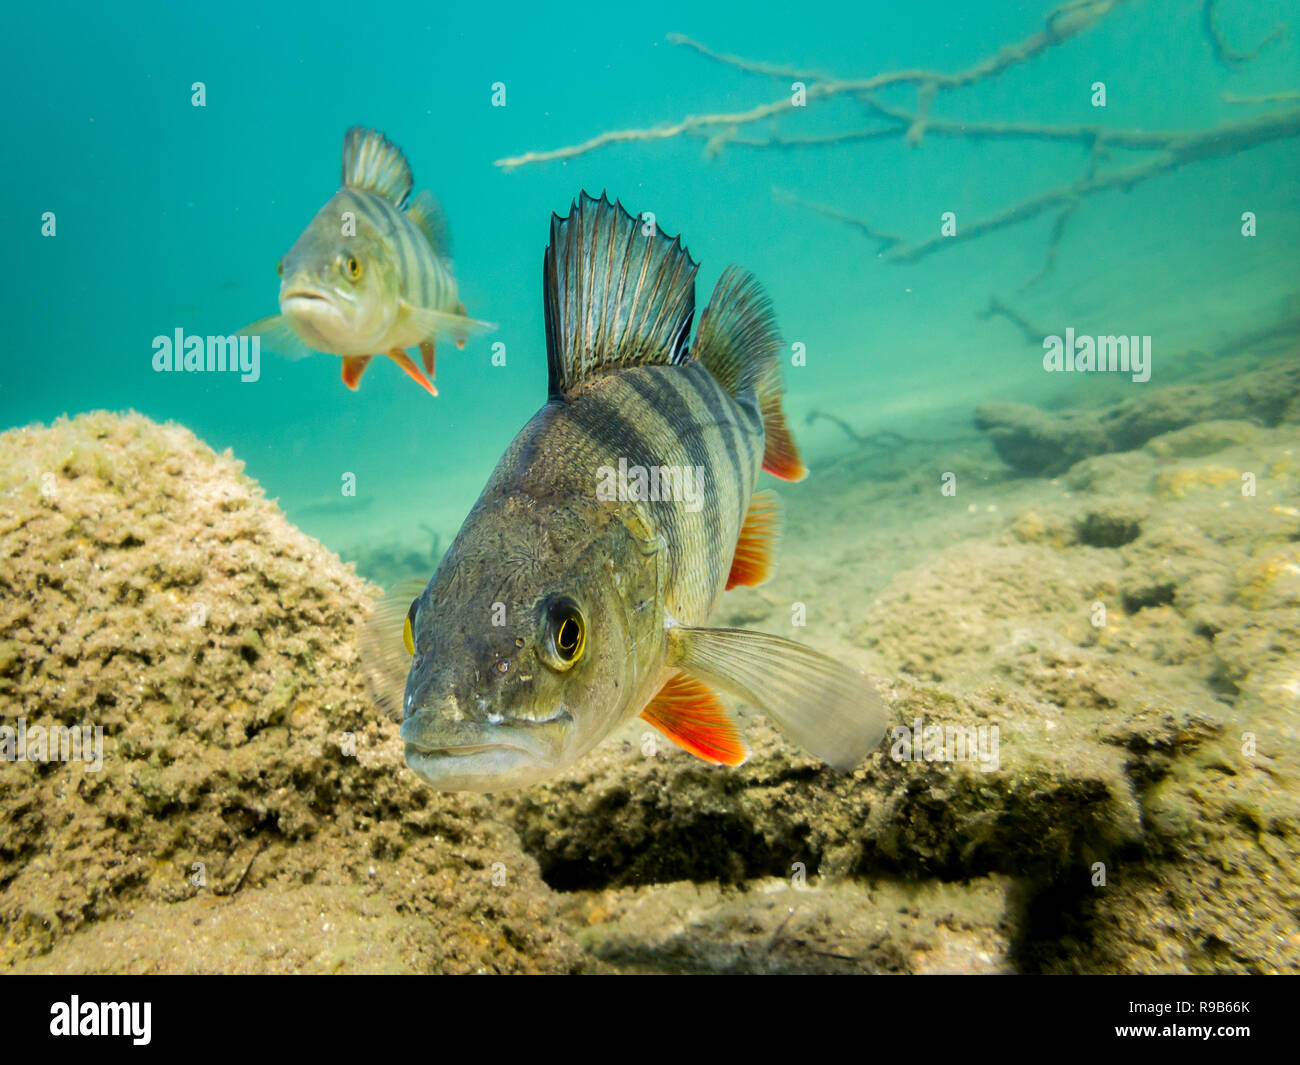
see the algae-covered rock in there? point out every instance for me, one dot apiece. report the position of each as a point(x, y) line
point(150, 590)
point(1196, 419)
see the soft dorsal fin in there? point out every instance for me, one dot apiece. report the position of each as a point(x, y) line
point(738, 339)
point(371, 161)
point(613, 296)
point(426, 212)
point(739, 343)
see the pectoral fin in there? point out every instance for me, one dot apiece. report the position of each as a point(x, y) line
point(277, 337)
point(689, 714)
point(428, 356)
point(460, 309)
point(434, 324)
point(384, 658)
point(825, 707)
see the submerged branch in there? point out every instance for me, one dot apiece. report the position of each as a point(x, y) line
point(885, 240)
point(1266, 98)
point(1224, 52)
point(997, 309)
point(1064, 22)
point(749, 66)
point(1180, 149)
point(886, 439)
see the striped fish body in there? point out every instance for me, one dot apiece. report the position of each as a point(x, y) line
point(673, 423)
point(371, 275)
point(578, 591)
point(634, 564)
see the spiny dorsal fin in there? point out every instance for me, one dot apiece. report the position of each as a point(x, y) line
point(426, 212)
point(613, 296)
point(371, 161)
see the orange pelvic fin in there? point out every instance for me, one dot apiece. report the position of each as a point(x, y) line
point(460, 309)
point(752, 562)
point(353, 367)
point(689, 714)
point(427, 354)
point(781, 455)
point(404, 361)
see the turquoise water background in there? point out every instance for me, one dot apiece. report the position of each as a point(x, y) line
point(169, 215)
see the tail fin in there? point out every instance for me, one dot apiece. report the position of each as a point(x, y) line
point(739, 343)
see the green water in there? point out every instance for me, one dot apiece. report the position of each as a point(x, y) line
point(173, 216)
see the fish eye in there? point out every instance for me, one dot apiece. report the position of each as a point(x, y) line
point(566, 634)
point(408, 629)
point(279, 268)
point(354, 268)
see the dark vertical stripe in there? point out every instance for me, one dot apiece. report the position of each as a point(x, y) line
point(615, 435)
point(641, 402)
point(668, 394)
point(720, 403)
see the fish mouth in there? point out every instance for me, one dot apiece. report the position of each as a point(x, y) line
point(463, 756)
point(306, 299)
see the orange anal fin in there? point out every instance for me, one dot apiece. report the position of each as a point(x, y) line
point(353, 367)
point(427, 356)
point(781, 454)
point(689, 714)
point(404, 361)
point(752, 562)
point(460, 309)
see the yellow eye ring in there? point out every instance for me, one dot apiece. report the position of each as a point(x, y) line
point(567, 633)
point(354, 268)
point(408, 630)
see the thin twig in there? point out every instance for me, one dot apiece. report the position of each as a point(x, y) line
point(244, 875)
point(1224, 52)
point(749, 66)
point(998, 309)
point(885, 240)
point(1266, 98)
point(1181, 149)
